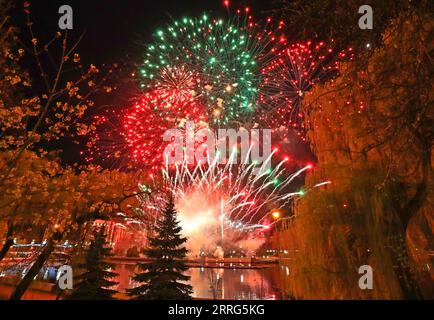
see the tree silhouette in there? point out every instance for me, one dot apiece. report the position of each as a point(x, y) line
point(95, 283)
point(163, 277)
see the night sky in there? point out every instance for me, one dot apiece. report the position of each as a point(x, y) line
point(115, 28)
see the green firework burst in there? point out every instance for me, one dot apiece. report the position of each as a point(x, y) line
point(223, 57)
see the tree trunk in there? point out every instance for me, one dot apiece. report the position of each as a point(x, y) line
point(418, 200)
point(407, 278)
point(9, 240)
point(33, 272)
point(403, 265)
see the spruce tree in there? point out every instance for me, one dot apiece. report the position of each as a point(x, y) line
point(95, 283)
point(162, 278)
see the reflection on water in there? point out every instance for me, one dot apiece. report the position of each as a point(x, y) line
point(272, 282)
point(221, 283)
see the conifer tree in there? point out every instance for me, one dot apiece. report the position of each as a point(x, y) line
point(95, 283)
point(162, 278)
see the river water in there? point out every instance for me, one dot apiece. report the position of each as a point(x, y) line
point(224, 283)
point(208, 283)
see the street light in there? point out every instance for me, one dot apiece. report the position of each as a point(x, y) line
point(276, 214)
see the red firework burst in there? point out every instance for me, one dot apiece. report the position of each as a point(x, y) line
point(151, 117)
point(290, 76)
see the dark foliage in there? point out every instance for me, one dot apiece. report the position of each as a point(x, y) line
point(163, 277)
point(95, 283)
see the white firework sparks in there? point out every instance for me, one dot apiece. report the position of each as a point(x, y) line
point(231, 203)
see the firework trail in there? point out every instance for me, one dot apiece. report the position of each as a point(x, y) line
point(229, 203)
point(248, 191)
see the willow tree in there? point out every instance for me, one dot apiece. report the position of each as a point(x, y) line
point(371, 130)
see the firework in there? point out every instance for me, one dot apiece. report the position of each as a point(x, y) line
point(107, 145)
point(287, 79)
point(217, 61)
point(133, 137)
point(176, 84)
point(226, 203)
point(147, 122)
